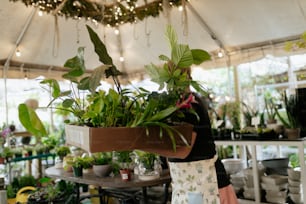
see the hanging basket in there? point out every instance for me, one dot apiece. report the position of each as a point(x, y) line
point(126, 138)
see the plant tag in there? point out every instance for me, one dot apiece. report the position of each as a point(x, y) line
point(255, 121)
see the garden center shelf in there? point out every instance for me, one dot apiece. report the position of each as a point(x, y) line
point(29, 159)
point(253, 144)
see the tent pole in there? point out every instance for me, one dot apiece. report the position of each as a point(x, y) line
point(7, 62)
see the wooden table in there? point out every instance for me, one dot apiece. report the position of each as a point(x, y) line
point(110, 182)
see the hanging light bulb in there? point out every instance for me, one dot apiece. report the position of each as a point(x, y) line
point(180, 8)
point(220, 54)
point(116, 31)
point(121, 59)
point(18, 53)
point(40, 13)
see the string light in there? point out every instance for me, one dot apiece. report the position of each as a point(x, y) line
point(113, 14)
point(220, 53)
point(121, 59)
point(40, 13)
point(116, 31)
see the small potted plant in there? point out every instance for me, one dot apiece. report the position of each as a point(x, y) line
point(87, 163)
point(17, 151)
point(62, 151)
point(29, 150)
point(102, 165)
point(67, 161)
point(7, 153)
point(125, 160)
point(148, 165)
point(39, 148)
point(291, 120)
point(77, 166)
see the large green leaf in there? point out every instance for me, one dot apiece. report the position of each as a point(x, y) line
point(96, 76)
point(199, 56)
point(171, 35)
point(100, 48)
point(181, 56)
point(30, 121)
point(55, 88)
point(76, 64)
point(163, 114)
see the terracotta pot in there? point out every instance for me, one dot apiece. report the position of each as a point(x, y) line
point(102, 170)
point(125, 174)
point(2, 160)
point(292, 133)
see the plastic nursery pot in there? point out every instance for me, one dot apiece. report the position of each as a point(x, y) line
point(77, 171)
point(125, 174)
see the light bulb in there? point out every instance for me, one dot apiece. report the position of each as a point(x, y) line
point(18, 53)
point(121, 59)
point(180, 8)
point(116, 32)
point(40, 13)
point(220, 54)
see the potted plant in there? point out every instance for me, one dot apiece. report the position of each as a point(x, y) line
point(270, 109)
point(62, 151)
point(29, 150)
point(7, 153)
point(17, 151)
point(77, 166)
point(148, 167)
point(290, 120)
point(119, 109)
point(102, 165)
point(67, 162)
point(11, 194)
point(87, 163)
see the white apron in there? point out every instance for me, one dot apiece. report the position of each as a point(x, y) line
point(194, 182)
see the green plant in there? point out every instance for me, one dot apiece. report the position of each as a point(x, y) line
point(124, 156)
point(292, 112)
point(102, 158)
point(294, 160)
point(27, 180)
point(7, 152)
point(270, 107)
point(248, 114)
point(62, 151)
point(39, 148)
point(11, 191)
point(17, 151)
point(77, 162)
point(147, 159)
point(122, 107)
point(88, 161)
point(28, 148)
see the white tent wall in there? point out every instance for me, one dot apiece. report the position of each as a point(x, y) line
point(246, 29)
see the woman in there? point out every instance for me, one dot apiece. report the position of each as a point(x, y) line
point(200, 177)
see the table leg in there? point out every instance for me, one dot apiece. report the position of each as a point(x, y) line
point(144, 194)
point(77, 191)
point(166, 192)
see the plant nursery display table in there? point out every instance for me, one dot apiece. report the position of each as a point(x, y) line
point(110, 183)
point(254, 144)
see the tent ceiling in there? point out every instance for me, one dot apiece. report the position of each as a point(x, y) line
point(247, 29)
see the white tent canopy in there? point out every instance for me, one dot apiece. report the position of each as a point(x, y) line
point(246, 29)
